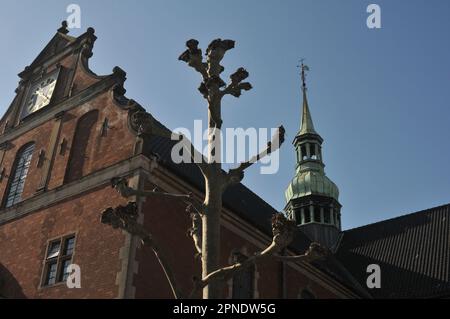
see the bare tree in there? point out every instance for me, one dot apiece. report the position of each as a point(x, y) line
point(205, 230)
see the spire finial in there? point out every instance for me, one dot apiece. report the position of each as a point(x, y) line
point(63, 28)
point(304, 68)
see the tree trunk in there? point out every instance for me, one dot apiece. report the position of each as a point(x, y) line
point(213, 205)
point(211, 234)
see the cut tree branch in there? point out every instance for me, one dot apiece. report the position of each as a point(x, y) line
point(215, 52)
point(283, 233)
point(236, 175)
point(193, 57)
point(121, 185)
point(236, 86)
point(195, 232)
point(125, 218)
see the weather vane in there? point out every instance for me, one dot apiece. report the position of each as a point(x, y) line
point(304, 68)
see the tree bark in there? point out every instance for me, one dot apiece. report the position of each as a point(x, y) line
point(213, 200)
point(211, 232)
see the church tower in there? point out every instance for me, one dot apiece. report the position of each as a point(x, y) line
point(312, 198)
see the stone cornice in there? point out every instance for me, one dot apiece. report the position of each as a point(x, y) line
point(85, 184)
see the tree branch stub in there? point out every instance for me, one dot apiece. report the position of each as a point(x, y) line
point(235, 175)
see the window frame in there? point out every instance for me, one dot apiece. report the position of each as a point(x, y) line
point(19, 155)
point(60, 259)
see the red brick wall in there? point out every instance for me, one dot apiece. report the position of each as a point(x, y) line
point(296, 282)
point(168, 222)
point(82, 80)
point(23, 243)
point(102, 151)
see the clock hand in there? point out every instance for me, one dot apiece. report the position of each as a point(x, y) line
point(38, 92)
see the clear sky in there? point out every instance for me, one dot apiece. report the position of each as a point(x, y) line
point(379, 97)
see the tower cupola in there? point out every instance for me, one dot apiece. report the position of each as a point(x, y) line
point(312, 198)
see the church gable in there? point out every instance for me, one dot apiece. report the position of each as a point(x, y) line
point(58, 72)
point(56, 45)
point(56, 92)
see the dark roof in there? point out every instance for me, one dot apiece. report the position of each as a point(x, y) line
point(413, 252)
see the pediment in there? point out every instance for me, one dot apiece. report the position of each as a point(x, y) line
point(56, 45)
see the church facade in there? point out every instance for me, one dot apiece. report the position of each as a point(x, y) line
point(69, 131)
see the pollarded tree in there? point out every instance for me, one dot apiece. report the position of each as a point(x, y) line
point(205, 230)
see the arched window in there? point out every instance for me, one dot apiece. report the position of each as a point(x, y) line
point(18, 175)
point(76, 168)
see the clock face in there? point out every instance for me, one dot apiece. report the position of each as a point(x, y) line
point(40, 94)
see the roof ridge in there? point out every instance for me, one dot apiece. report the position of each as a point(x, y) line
point(431, 209)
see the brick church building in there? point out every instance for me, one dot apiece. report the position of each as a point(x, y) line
point(69, 131)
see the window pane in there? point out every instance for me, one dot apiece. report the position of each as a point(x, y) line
point(53, 250)
point(51, 274)
point(19, 175)
point(64, 272)
point(69, 245)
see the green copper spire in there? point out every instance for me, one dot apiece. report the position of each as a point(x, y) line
point(310, 178)
point(311, 197)
point(307, 126)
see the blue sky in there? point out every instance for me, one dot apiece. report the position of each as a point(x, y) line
point(379, 98)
